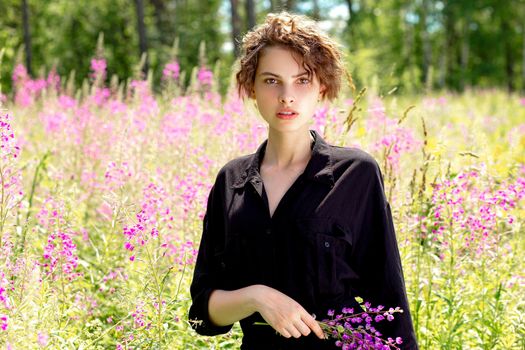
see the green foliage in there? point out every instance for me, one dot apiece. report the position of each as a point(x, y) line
point(393, 43)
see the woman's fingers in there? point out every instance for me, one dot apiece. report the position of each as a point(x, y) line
point(285, 315)
point(314, 326)
point(302, 327)
point(285, 333)
point(293, 331)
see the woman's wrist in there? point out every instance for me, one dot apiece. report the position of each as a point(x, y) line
point(255, 296)
point(226, 307)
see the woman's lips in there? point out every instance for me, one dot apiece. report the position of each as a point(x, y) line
point(287, 114)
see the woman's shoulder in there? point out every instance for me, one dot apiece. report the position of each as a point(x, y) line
point(235, 169)
point(344, 157)
point(237, 165)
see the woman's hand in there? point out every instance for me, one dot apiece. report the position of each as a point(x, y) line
point(284, 314)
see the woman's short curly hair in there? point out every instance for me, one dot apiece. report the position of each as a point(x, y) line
point(321, 55)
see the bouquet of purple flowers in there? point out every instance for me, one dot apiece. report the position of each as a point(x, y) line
point(355, 330)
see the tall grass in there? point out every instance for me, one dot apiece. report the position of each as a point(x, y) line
point(104, 191)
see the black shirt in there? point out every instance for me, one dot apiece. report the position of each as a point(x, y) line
point(330, 239)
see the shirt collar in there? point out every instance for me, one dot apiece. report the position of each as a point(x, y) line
point(319, 167)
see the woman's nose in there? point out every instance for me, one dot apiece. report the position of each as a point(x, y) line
point(286, 98)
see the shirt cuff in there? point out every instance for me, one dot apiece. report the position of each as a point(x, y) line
point(199, 318)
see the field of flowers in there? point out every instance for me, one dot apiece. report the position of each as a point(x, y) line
point(104, 190)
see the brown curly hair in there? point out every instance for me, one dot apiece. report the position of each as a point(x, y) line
point(321, 55)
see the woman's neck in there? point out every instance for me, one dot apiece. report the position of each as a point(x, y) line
point(288, 150)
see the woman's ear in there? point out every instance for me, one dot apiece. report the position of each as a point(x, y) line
point(322, 91)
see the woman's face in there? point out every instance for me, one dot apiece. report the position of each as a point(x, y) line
point(286, 97)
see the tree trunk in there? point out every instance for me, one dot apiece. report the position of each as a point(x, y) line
point(236, 26)
point(449, 49)
point(160, 14)
point(427, 48)
point(143, 46)
point(290, 5)
point(276, 5)
point(509, 57)
point(250, 14)
point(349, 30)
point(465, 53)
point(523, 60)
point(409, 44)
point(27, 36)
point(316, 11)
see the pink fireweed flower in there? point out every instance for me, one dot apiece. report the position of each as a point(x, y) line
point(471, 210)
point(8, 147)
point(138, 316)
point(100, 96)
point(395, 141)
point(20, 73)
point(154, 212)
point(176, 128)
point(98, 68)
point(171, 70)
point(148, 107)
point(27, 89)
point(43, 339)
point(116, 175)
point(3, 322)
point(182, 253)
point(54, 122)
point(10, 177)
point(190, 189)
point(53, 80)
point(5, 286)
point(60, 254)
point(205, 76)
point(522, 101)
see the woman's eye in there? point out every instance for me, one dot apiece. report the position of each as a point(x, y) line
point(270, 81)
point(304, 81)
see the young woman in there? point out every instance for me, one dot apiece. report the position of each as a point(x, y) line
point(300, 226)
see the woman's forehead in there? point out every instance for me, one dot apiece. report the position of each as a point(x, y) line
point(280, 60)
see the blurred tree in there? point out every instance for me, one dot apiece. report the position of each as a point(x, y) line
point(163, 21)
point(289, 5)
point(236, 25)
point(250, 14)
point(503, 14)
point(27, 36)
point(410, 44)
point(316, 11)
point(350, 21)
point(520, 13)
point(143, 43)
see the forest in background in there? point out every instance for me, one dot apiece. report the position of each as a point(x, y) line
point(404, 44)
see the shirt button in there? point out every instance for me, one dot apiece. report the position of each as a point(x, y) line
point(268, 231)
point(327, 244)
point(223, 265)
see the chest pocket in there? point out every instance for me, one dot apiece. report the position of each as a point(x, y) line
point(328, 248)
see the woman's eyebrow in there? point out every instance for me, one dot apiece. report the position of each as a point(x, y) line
point(278, 76)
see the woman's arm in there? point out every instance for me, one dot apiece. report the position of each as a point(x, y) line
point(281, 312)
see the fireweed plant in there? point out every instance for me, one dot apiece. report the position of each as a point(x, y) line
point(104, 190)
point(355, 330)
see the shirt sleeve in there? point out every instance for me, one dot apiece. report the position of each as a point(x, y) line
point(207, 268)
point(378, 263)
